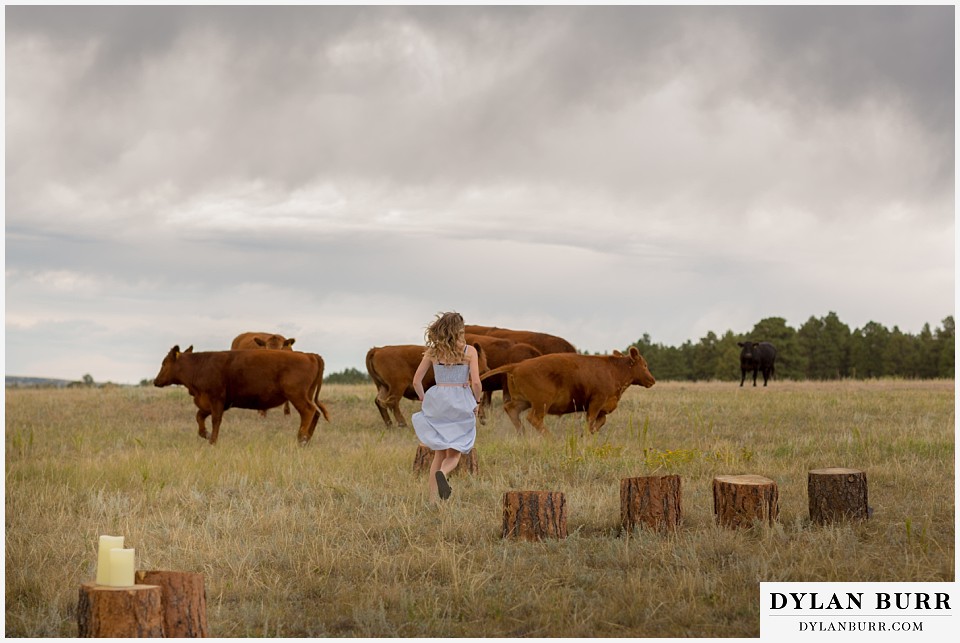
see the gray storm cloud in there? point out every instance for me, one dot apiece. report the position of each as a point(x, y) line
point(597, 171)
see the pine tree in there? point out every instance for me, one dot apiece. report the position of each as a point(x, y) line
point(900, 359)
point(727, 367)
point(928, 354)
point(945, 339)
point(809, 339)
point(704, 358)
point(834, 355)
point(868, 349)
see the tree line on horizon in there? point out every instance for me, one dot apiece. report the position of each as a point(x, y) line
point(822, 348)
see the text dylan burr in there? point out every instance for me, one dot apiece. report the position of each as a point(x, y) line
point(855, 601)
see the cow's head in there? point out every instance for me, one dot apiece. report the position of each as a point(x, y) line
point(520, 352)
point(275, 342)
point(638, 366)
point(167, 374)
point(746, 355)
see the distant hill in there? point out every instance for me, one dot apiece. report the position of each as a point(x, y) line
point(15, 381)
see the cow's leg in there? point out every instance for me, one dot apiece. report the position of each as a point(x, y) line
point(308, 421)
point(286, 408)
point(202, 415)
point(308, 418)
point(513, 409)
point(395, 406)
point(483, 408)
point(755, 376)
point(601, 420)
point(314, 421)
point(382, 407)
point(743, 375)
point(766, 374)
point(505, 390)
point(262, 413)
point(203, 412)
point(595, 420)
point(318, 408)
point(535, 418)
point(216, 410)
point(593, 413)
point(486, 402)
point(597, 413)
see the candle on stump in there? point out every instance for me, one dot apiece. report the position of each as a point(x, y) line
point(121, 568)
point(103, 557)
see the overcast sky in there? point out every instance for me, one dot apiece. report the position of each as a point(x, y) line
point(178, 175)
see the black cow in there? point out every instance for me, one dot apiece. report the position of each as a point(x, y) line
point(757, 356)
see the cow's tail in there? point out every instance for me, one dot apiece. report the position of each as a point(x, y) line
point(372, 371)
point(506, 368)
point(323, 409)
point(316, 389)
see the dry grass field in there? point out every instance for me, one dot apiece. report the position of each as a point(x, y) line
point(338, 539)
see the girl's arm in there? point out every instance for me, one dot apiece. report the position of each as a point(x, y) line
point(474, 361)
point(418, 376)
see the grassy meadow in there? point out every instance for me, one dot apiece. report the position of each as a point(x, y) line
point(338, 538)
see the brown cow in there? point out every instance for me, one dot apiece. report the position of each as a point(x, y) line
point(392, 369)
point(262, 340)
point(253, 341)
point(563, 383)
point(543, 342)
point(244, 379)
point(500, 352)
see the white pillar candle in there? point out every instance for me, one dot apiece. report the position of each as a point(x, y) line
point(103, 557)
point(121, 568)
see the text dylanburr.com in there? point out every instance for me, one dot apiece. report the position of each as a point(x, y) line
point(847, 610)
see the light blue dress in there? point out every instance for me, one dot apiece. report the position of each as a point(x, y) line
point(446, 419)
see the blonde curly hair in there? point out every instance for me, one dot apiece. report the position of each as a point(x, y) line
point(444, 338)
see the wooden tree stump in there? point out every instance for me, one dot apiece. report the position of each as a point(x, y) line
point(653, 501)
point(837, 494)
point(184, 601)
point(423, 459)
point(469, 462)
point(739, 500)
point(534, 515)
point(120, 612)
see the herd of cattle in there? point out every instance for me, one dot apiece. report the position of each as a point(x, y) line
point(536, 372)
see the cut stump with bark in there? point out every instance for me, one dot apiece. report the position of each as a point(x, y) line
point(120, 612)
point(837, 494)
point(740, 500)
point(184, 599)
point(650, 501)
point(534, 515)
point(469, 462)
